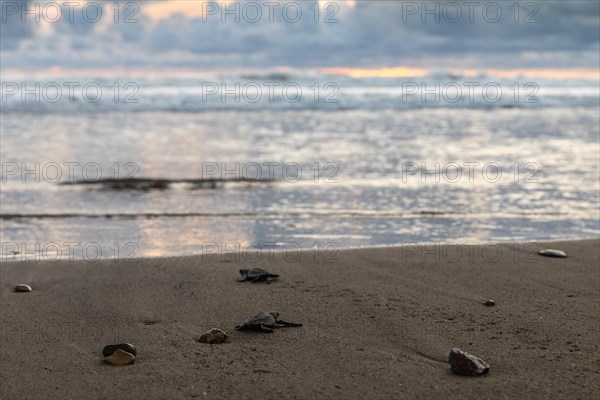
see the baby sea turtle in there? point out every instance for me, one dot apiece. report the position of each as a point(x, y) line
point(553, 253)
point(119, 354)
point(264, 322)
point(256, 275)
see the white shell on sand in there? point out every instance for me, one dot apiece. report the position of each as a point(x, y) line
point(21, 287)
point(553, 253)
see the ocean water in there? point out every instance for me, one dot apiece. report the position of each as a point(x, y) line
point(319, 162)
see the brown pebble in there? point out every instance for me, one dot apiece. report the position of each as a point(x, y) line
point(120, 357)
point(21, 287)
point(213, 336)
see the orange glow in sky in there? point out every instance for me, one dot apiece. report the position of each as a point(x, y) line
point(406, 72)
point(396, 72)
point(163, 9)
point(193, 9)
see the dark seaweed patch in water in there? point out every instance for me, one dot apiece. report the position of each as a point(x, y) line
point(147, 184)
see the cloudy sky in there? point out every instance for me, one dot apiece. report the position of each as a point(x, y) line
point(348, 35)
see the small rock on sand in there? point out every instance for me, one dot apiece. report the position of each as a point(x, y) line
point(463, 363)
point(489, 303)
point(119, 354)
point(553, 253)
point(21, 287)
point(213, 336)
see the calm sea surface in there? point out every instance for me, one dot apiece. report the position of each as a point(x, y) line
point(360, 163)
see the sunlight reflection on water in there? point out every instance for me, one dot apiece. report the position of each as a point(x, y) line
point(382, 195)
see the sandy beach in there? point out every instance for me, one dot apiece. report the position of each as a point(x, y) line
point(378, 323)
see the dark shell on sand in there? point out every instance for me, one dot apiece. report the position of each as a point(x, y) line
point(256, 275)
point(489, 303)
point(265, 322)
point(214, 336)
point(553, 253)
point(463, 363)
point(119, 354)
point(111, 348)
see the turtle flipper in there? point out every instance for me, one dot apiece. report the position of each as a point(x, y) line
point(264, 328)
point(256, 275)
point(241, 327)
point(265, 277)
point(285, 323)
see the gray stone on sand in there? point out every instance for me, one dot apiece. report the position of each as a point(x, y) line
point(22, 288)
point(463, 363)
point(553, 253)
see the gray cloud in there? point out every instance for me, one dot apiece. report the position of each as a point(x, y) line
point(12, 29)
point(370, 35)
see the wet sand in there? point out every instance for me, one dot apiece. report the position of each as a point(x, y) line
point(378, 323)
